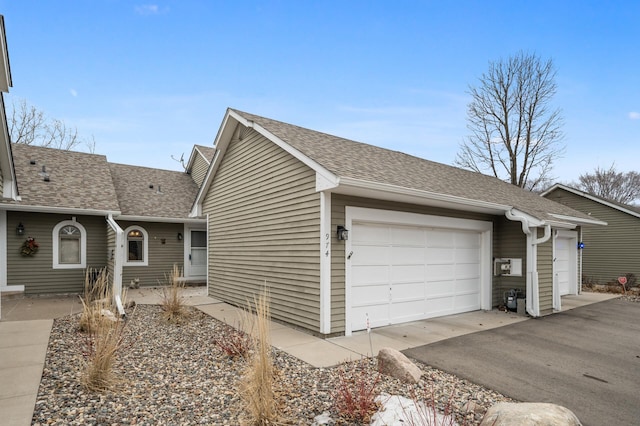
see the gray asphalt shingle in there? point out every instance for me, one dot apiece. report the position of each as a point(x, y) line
point(347, 158)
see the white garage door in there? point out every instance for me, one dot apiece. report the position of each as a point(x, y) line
point(405, 273)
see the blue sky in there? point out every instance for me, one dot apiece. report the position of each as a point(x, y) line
point(150, 79)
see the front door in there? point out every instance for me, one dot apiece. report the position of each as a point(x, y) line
point(198, 253)
point(565, 266)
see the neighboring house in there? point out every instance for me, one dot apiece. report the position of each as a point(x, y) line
point(86, 213)
point(424, 239)
point(608, 252)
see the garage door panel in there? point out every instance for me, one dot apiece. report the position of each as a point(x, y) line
point(370, 233)
point(402, 273)
point(407, 236)
point(407, 255)
point(439, 288)
point(468, 270)
point(407, 311)
point(467, 239)
point(370, 294)
point(378, 316)
point(467, 255)
point(371, 255)
point(440, 272)
point(468, 302)
point(440, 255)
point(407, 273)
point(466, 286)
point(367, 275)
point(440, 238)
point(408, 291)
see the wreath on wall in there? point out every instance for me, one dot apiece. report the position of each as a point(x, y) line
point(29, 247)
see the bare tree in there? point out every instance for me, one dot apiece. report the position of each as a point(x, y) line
point(611, 184)
point(30, 126)
point(515, 133)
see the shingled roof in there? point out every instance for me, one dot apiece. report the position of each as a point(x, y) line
point(369, 163)
point(57, 179)
point(54, 178)
point(207, 151)
point(143, 191)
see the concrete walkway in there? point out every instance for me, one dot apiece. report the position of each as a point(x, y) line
point(26, 324)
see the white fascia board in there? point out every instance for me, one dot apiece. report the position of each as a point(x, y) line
point(590, 197)
point(10, 187)
point(132, 218)
point(57, 210)
point(223, 137)
point(325, 175)
point(579, 221)
point(5, 68)
point(357, 187)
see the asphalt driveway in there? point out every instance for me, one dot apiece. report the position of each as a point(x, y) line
point(586, 359)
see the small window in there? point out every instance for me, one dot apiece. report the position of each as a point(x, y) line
point(69, 245)
point(137, 244)
point(69, 250)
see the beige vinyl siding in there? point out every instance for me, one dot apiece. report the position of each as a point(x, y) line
point(610, 251)
point(264, 227)
point(511, 242)
point(338, 214)
point(199, 169)
point(36, 272)
point(545, 274)
point(161, 255)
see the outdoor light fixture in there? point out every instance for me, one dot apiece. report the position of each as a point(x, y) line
point(20, 229)
point(343, 233)
point(179, 236)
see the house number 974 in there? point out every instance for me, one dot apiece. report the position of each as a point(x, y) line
point(327, 243)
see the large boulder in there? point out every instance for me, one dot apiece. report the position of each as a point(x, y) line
point(394, 363)
point(529, 414)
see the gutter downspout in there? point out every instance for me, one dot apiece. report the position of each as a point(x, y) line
point(533, 304)
point(117, 264)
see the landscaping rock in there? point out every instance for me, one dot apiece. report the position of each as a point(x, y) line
point(529, 414)
point(394, 363)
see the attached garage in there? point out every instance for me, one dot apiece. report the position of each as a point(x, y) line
point(404, 267)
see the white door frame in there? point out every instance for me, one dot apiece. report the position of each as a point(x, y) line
point(187, 250)
point(572, 236)
point(415, 219)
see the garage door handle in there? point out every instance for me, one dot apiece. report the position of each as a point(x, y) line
point(349, 255)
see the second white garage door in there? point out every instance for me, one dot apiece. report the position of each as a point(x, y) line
point(401, 273)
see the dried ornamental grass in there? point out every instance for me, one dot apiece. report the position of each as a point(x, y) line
point(96, 291)
point(257, 387)
point(173, 305)
point(105, 332)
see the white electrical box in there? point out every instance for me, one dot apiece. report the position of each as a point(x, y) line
point(507, 266)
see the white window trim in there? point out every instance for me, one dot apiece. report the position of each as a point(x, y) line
point(56, 246)
point(145, 247)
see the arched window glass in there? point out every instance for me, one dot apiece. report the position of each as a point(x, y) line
point(69, 246)
point(137, 245)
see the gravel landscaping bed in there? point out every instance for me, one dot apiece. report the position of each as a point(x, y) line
point(177, 375)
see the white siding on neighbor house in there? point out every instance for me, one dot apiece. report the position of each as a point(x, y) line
point(264, 228)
